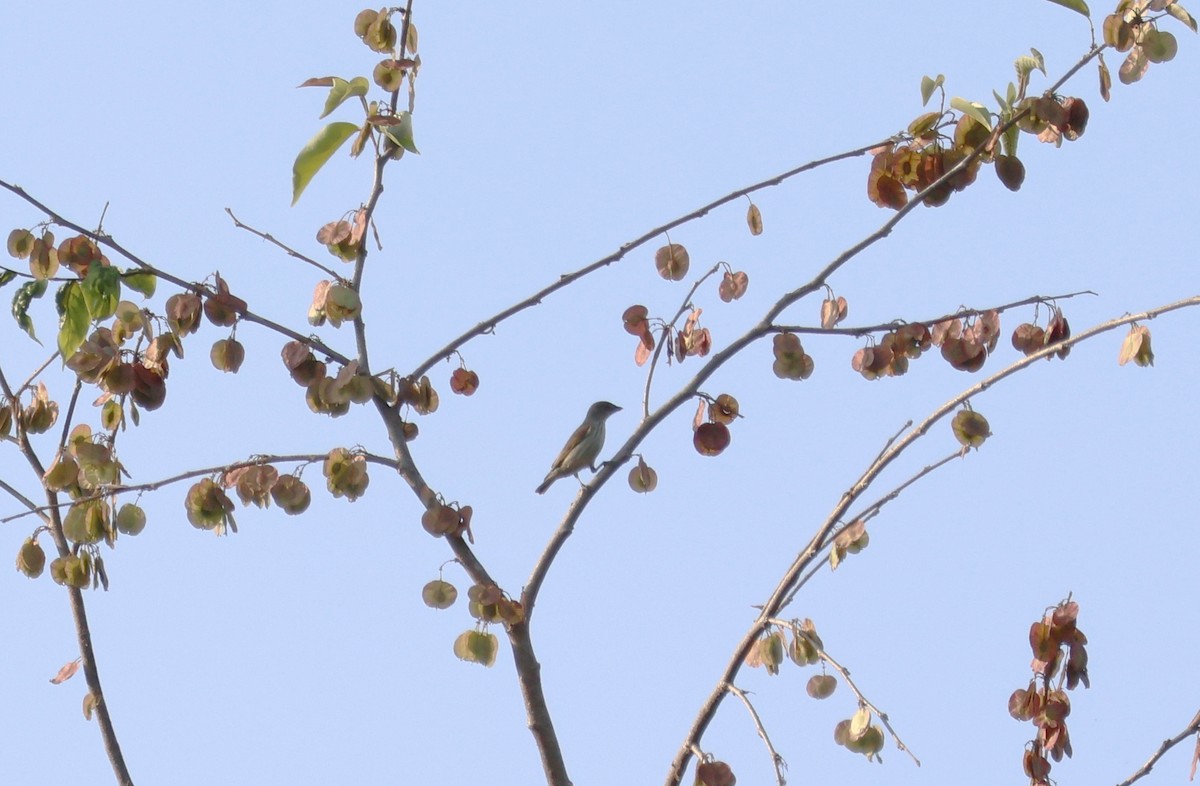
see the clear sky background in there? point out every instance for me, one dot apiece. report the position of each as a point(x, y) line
point(299, 651)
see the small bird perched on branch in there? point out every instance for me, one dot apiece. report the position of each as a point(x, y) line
point(583, 447)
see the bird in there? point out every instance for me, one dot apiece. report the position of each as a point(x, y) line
point(583, 447)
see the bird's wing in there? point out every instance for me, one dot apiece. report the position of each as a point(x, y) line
point(572, 444)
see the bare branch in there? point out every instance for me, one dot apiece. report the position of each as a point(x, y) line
point(894, 437)
point(537, 711)
point(28, 383)
point(1191, 729)
point(488, 325)
point(868, 513)
point(291, 252)
point(70, 416)
point(403, 47)
point(776, 760)
point(24, 500)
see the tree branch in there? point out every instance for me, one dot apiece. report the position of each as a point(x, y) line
point(776, 760)
point(867, 514)
point(488, 325)
point(804, 559)
point(666, 334)
point(527, 667)
point(291, 252)
point(866, 330)
point(83, 633)
point(154, 485)
point(533, 586)
point(1189, 730)
point(845, 674)
point(28, 383)
point(107, 241)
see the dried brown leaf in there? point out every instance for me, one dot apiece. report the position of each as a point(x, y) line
point(66, 672)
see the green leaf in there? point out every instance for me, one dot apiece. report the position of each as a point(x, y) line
point(1180, 13)
point(316, 153)
point(343, 90)
point(6, 276)
point(928, 86)
point(73, 325)
point(1011, 135)
point(402, 132)
point(924, 124)
point(26, 293)
point(1026, 65)
point(60, 298)
point(973, 109)
point(102, 290)
point(1041, 61)
point(140, 281)
point(1077, 6)
point(1160, 46)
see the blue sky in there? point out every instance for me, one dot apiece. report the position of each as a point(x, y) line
point(298, 651)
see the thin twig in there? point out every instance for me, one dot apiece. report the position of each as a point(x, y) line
point(17, 495)
point(70, 416)
point(154, 485)
point(291, 252)
point(871, 510)
point(24, 500)
point(868, 513)
point(866, 330)
point(1191, 729)
point(107, 240)
point(776, 759)
point(32, 277)
point(845, 674)
point(892, 439)
point(666, 334)
point(28, 383)
point(489, 324)
point(403, 47)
